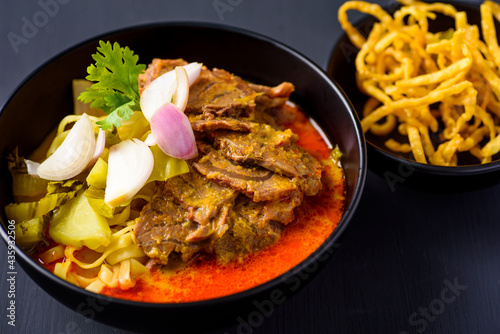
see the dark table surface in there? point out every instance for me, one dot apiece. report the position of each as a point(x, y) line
point(411, 261)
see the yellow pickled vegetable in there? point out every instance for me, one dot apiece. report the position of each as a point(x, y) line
point(57, 194)
point(29, 233)
point(98, 174)
point(135, 127)
point(53, 254)
point(166, 166)
point(61, 269)
point(25, 187)
point(111, 139)
point(95, 196)
point(76, 224)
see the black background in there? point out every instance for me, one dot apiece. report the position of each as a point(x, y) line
point(403, 249)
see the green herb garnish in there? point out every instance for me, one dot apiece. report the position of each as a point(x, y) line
point(116, 87)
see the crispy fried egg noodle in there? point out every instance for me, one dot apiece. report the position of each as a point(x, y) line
point(420, 82)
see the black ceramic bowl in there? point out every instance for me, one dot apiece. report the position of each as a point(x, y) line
point(399, 169)
point(44, 98)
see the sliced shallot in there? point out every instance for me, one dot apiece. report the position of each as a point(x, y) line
point(181, 95)
point(173, 132)
point(74, 154)
point(161, 90)
point(130, 163)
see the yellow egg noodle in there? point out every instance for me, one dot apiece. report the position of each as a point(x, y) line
point(95, 242)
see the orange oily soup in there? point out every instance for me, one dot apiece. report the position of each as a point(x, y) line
point(315, 220)
point(258, 190)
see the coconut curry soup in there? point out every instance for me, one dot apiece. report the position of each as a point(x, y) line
point(183, 184)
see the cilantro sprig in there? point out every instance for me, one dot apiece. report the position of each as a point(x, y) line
point(116, 87)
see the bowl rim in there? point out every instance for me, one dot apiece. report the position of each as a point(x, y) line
point(311, 258)
point(470, 169)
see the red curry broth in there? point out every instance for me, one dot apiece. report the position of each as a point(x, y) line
point(203, 279)
point(316, 218)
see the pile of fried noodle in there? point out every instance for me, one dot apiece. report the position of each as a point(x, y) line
point(424, 84)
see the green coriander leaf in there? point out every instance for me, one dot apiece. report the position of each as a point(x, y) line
point(116, 88)
point(116, 100)
point(116, 68)
point(120, 113)
point(96, 98)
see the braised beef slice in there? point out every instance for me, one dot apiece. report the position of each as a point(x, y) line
point(248, 231)
point(162, 228)
point(256, 182)
point(282, 211)
point(219, 93)
point(199, 196)
point(186, 213)
point(201, 124)
point(275, 151)
point(273, 96)
point(157, 68)
point(242, 189)
point(266, 147)
point(240, 226)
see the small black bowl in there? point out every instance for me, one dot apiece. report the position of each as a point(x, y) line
point(400, 169)
point(44, 98)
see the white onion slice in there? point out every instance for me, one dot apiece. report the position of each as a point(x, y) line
point(32, 167)
point(161, 90)
point(100, 143)
point(74, 154)
point(150, 140)
point(181, 95)
point(173, 132)
point(130, 163)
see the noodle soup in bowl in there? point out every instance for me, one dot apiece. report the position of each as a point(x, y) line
point(174, 290)
point(392, 155)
